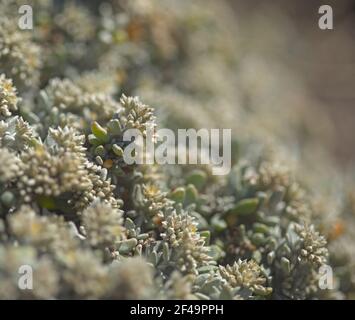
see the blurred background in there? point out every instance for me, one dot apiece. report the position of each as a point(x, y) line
point(324, 60)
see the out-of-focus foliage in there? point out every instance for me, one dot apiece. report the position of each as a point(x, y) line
point(92, 226)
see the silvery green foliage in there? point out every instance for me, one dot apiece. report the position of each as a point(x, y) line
point(92, 226)
point(16, 134)
point(19, 56)
point(247, 277)
point(63, 103)
point(8, 97)
point(102, 225)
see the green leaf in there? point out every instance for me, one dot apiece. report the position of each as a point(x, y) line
point(206, 269)
point(198, 178)
point(258, 238)
point(127, 245)
point(285, 265)
point(207, 235)
point(114, 127)
point(245, 207)
point(178, 195)
point(261, 228)
point(201, 221)
point(216, 252)
point(118, 151)
point(100, 151)
point(191, 194)
point(99, 132)
point(93, 140)
point(271, 257)
point(218, 224)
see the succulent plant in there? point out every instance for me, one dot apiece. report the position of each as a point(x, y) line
point(93, 226)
